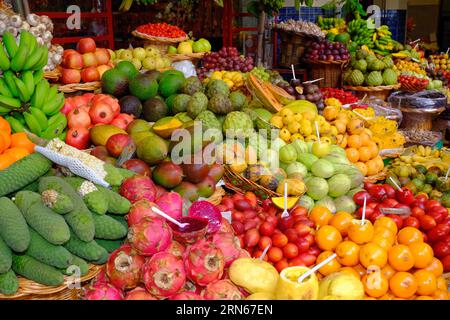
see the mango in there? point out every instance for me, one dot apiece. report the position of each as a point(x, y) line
point(254, 275)
point(166, 126)
point(101, 134)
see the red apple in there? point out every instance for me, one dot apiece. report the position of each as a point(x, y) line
point(102, 56)
point(89, 60)
point(117, 143)
point(102, 69)
point(70, 76)
point(138, 166)
point(90, 74)
point(73, 61)
point(86, 45)
point(67, 52)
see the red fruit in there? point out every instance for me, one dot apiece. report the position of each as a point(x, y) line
point(302, 245)
point(90, 74)
point(102, 291)
point(302, 229)
point(427, 222)
point(446, 263)
point(431, 203)
point(307, 258)
point(438, 213)
point(439, 232)
point(86, 45)
point(78, 138)
point(250, 214)
point(279, 240)
point(228, 202)
point(390, 203)
point(397, 219)
point(168, 174)
point(417, 212)
point(124, 267)
point(390, 191)
point(101, 112)
point(310, 239)
point(275, 254)
point(441, 249)
point(290, 250)
point(250, 224)
point(208, 211)
point(78, 118)
point(405, 196)
point(252, 237)
point(372, 205)
point(242, 205)
point(225, 226)
point(251, 197)
point(122, 116)
point(272, 220)
point(264, 241)
point(237, 196)
point(229, 244)
point(281, 265)
point(258, 253)
point(266, 228)
point(297, 262)
point(285, 223)
point(292, 235)
point(117, 143)
point(369, 212)
point(138, 166)
point(422, 197)
point(139, 293)
point(306, 222)
point(139, 210)
point(376, 215)
point(187, 295)
point(378, 192)
point(314, 250)
point(359, 197)
point(298, 211)
point(70, 76)
point(176, 249)
point(151, 235)
point(89, 60)
point(102, 56)
point(237, 216)
point(138, 187)
point(238, 227)
point(411, 222)
point(222, 290)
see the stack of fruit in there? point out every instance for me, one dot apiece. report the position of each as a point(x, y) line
point(344, 97)
point(161, 30)
point(13, 147)
point(439, 75)
point(304, 91)
point(410, 53)
point(405, 65)
point(190, 46)
point(148, 58)
point(324, 50)
point(331, 25)
point(361, 33)
point(383, 42)
point(366, 69)
point(27, 100)
point(413, 82)
point(234, 79)
point(85, 64)
point(440, 61)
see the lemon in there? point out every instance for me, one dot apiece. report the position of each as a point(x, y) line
point(286, 112)
point(293, 127)
point(277, 121)
point(287, 119)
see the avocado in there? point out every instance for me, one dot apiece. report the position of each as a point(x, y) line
point(153, 74)
point(154, 109)
point(143, 87)
point(128, 68)
point(170, 84)
point(131, 105)
point(115, 83)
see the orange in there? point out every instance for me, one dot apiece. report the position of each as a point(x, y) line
point(426, 282)
point(441, 295)
point(384, 233)
point(364, 154)
point(386, 222)
point(347, 253)
point(409, 235)
point(424, 298)
point(400, 258)
point(341, 221)
point(375, 284)
point(328, 237)
point(373, 149)
point(360, 269)
point(384, 243)
point(351, 271)
point(365, 139)
point(372, 168)
point(17, 153)
point(369, 298)
point(352, 154)
point(4, 126)
point(372, 254)
point(331, 266)
point(5, 141)
point(5, 161)
point(403, 285)
point(379, 161)
point(320, 215)
point(387, 271)
point(354, 141)
point(362, 167)
point(435, 266)
point(422, 253)
point(21, 140)
point(387, 296)
point(441, 283)
point(360, 234)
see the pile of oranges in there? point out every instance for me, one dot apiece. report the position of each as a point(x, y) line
point(13, 147)
point(391, 264)
point(355, 139)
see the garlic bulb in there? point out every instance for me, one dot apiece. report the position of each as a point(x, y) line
point(25, 26)
point(15, 21)
point(34, 31)
point(41, 28)
point(33, 19)
point(47, 36)
point(13, 30)
point(2, 27)
point(3, 17)
point(40, 41)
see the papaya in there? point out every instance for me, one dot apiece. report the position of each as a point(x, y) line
point(257, 88)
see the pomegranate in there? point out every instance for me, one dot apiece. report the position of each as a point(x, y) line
point(101, 113)
point(124, 267)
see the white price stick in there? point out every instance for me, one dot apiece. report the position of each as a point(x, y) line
point(293, 72)
point(446, 175)
point(317, 131)
point(315, 80)
point(317, 267)
point(263, 254)
point(395, 183)
point(448, 49)
point(165, 215)
point(363, 218)
point(285, 213)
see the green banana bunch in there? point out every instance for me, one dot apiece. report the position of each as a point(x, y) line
point(360, 32)
point(384, 44)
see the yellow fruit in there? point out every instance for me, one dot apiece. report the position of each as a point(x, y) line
point(279, 202)
point(277, 121)
point(293, 127)
point(295, 137)
point(286, 112)
point(330, 113)
point(287, 119)
point(308, 115)
point(311, 138)
point(285, 134)
point(298, 117)
point(340, 125)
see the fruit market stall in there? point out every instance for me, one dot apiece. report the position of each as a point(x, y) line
point(173, 171)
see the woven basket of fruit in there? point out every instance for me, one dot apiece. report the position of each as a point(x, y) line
point(380, 92)
point(330, 71)
point(413, 87)
point(6, 8)
point(241, 184)
point(74, 87)
point(188, 56)
point(30, 290)
point(161, 43)
point(292, 48)
point(378, 177)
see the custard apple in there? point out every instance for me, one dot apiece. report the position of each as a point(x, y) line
point(238, 100)
point(220, 104)
point(197, 104)
point(356, 78)
point(180, 103)
point(209, 120)
point(192, 85)
point(374, 79)
point(376, 65)
point(237, 123)
point(215, 87)
point(361, 65)
point(361, 54)
point(389, 77)
point(370, 58)
point(388, 62)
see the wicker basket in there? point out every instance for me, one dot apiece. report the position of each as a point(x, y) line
point(217, 196)
point(330, 71)
point(380, 176)
point(241, 184)
point(87, 86)
point(292, 47)
point(161, 43)
point(182, 57)
point(53, 75)
point(407, 87)
point(30, 290)
point(380, 92)
point(419, 119)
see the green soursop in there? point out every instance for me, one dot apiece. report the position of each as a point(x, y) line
point(388, 62)
point(374, 79)
point(220, 104)
point(209, 120)
point(389, 77)
point(370, 58)
point(361, 65)
point(180, 103)
point(361, 54)
point(192, 85)
point(376, 65)
point(237, 123)
point(217, 87)
point(238, 100)
point(356, 78)
point(197, 104)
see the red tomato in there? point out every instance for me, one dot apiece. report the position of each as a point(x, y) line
point(272, 220)
point(446, 263)
point(431, 203)
point(359, 197)
point(427, 222)
point(282, 264)
point(299, 211)
point(398, 220)
point(438, 213)
point(310, 239)
point(307, 258)
point(264, 241)
point(290, 251)
point(390, 191)
point(369, 212)
point(302, 245)
point(275, 254)
point(439, 232)
point(422, 197)
point(314, 250)
point(266, 229)
point(417, 212)
point(237, 216)
point(418, 204)
point(297, 262)
point(302, 229)
point(390, 203)
point(285, 223)
point(441, 249)
point(411, 222)
point(279, 240)
point(292, 235)
point(251, 237)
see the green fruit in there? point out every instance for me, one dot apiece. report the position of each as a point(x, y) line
point(331, 36)
point(192, 85)
point(187, 190)
point(361, 54)
point(116, 203)
point(90, 251)
point(431, 178)
point(143, 87)
point(237, 123)
point(180, 103)
point(154, 109)
point(361, 65)
point(217, 87)
point(220, 104)
point(128, 68)
point(115, 83)
point(5, 257)
point(109, 245)
point(421, 169)
point(108, 228)
point(39, 272)
point(170, 84)
point(131, 105)
point(77, 262)
point(152, 150)
point(9, 283)
point(374, 79)
point(356, 78)
point(322, 169)
point(13, 227)
point(427, 188)
point(307, 159)
point(197, 104)
point(288, 154)
point(342, 37)
point(418, 183)
point(388, 62)
point(239, 101)
point(209, 121)
point(389, 77)
point(445, 200)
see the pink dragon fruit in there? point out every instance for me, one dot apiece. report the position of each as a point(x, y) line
point(176, 248)
point(139, 293)
point(160, 191)
point(163, 274)
point(139, 210)
point(204, 262)
point(124, 267)
point(228, 244)
point(150, 236)
point(102, 291)
point(138, 187)
point(192, 287)
point(101, 277)
point(187, 295)
point(222, 290)
point(225, 226)
point(172, 204)
point(205, 209)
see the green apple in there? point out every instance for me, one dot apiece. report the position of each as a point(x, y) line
point(126, 55)
point(139, 53)
point(172, 50)
point(149, 63)
point(198, 47)
point(136, 63)
point(118, 52)
point(206, 44)
point(320, 149)
point(190, 41)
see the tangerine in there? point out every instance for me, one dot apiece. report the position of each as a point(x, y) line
point(347, 253)
point(441, 283)
point(372, 168)
point(20, 140)
point(364, 154)
point(435, 266)
point(387, 271)
point(384, 233)
point(5, 141)
point(375, 284)
point(365, 139)
point(409, 235)
point(351, 271)
point(360, 233)
point(386, 222)
point(424, 298)
point(341, 221)
point(328, 237)
point(373, 149)
point(384, 243)
point(329, 268)
point(441, 295)
point(426, 282)
point(5, 126)
point(17, 153)
point(400, 257)
point(354, 141)
point(352, 154)
point(372, 254)
point(320, 215)
point(403, 285)
point(5, 161)
point(362, 167)
point(422, 253)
